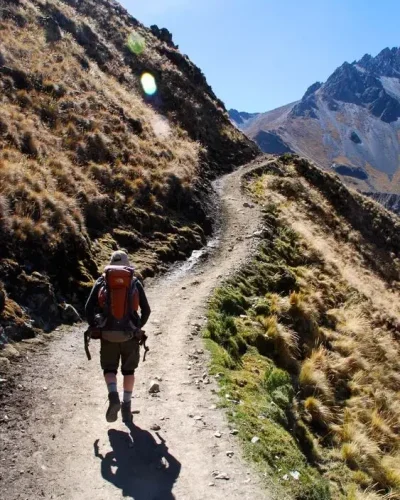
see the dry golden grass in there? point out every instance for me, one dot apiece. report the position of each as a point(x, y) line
point(346, 313)
point(64, 152)
point(88, 162)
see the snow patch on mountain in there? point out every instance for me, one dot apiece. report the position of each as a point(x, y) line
point(391, 85)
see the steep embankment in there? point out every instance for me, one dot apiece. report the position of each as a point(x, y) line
point(89, 161)
point(306, 338)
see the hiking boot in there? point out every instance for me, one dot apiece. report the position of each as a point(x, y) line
point(126, 412)
point(113, 407)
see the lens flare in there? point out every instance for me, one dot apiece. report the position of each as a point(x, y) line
point(135, 43)
point(149, 84)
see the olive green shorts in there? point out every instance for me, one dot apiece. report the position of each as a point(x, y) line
point(112, 352)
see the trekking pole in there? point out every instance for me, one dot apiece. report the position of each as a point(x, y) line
point(87, 341)
point(143, 343)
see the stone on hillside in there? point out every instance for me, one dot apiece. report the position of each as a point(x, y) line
point(155, 427)
point(295, 475)
point(355, 137)
point(255, 439)
point(70, 315)
point(163, 35)
point(53, 31)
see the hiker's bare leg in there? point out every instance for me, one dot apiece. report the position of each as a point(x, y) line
point(110, 378)
point(129, 382)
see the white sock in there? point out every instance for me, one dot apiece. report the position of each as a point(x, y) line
point(127, 396)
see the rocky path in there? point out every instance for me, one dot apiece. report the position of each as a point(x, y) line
point(56, 442)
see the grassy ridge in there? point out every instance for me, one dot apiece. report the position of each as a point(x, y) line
point(307, 362)
point(88, 162)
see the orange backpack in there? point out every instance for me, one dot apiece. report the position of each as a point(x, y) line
point(119, 298)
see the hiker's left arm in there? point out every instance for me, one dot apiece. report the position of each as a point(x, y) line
point(144, 305)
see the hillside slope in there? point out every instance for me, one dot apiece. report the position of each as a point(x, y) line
point(349, 123)
point(305, 338)
point(89, 161)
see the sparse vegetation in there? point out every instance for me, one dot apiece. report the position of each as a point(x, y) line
point(305, 339)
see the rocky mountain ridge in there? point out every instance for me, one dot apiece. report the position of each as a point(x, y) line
point(348, 124)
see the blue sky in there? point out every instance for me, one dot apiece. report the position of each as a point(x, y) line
point(261, 54)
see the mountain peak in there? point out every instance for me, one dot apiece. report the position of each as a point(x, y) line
point(350, 123)
point(241, 118)
point(386, 63)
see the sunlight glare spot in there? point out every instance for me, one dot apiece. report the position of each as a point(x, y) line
point(149, 84)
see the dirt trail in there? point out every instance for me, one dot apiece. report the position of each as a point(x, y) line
point(65, 448)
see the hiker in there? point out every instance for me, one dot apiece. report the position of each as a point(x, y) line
point(118, 295)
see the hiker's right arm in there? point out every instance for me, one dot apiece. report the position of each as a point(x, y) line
point(91, 303)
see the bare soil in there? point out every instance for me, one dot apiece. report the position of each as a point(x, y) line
point(55, 442)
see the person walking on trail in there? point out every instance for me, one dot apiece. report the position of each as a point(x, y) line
point(113, 309)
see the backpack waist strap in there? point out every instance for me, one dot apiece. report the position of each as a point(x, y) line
point(117, 336)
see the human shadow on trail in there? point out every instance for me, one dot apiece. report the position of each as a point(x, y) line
point(140, 466)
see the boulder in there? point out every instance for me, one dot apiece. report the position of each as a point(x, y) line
point(163, 35)
point(355, 138)
point(69, 314)
point(53, 31)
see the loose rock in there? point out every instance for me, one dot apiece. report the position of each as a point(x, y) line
point(155, 427)
point(255, 439)
point(10, 351)
point(295, 475)
point(222, 475)
point(154, 387)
